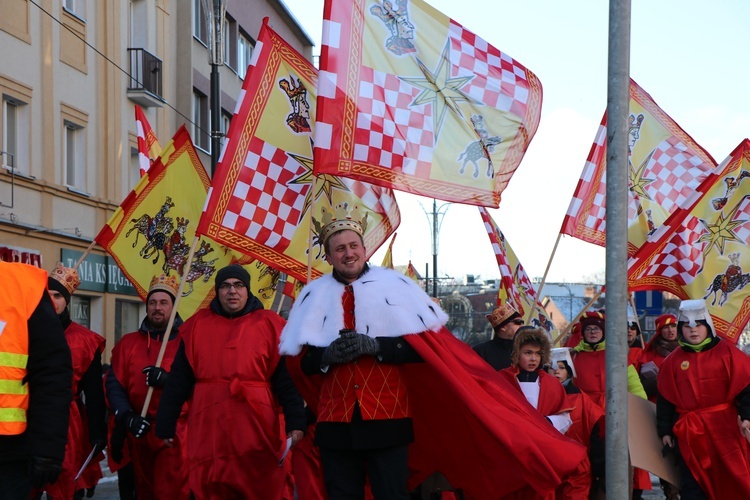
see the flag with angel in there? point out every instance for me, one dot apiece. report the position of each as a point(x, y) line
point(665, 166)
point(412, 100)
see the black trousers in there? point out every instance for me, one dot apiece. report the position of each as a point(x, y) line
point(14, 480)
point(345, 471)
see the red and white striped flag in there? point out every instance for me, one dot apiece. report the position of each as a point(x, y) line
point(665, 167)
point(148, 147)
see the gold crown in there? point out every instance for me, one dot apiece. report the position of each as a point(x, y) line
point(502, 314)
point(68, 276)
point(165, 283)
point(342, 218)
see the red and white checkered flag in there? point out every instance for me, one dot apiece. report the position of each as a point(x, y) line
point(665, 166)
point(702, 249)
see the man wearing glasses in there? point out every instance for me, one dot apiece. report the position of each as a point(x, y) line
point(229, 368)
point(505, 320)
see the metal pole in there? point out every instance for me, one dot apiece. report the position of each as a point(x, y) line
point(427, 278)
point(215, 117)
point(618, 78)
point(434, 247)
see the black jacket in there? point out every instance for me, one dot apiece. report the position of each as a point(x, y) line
point(49, 372)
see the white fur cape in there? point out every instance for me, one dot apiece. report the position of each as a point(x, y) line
point(386, 304)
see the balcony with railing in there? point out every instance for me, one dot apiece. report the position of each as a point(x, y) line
point(144, 87)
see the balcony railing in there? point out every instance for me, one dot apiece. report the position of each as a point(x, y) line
point(145, 74)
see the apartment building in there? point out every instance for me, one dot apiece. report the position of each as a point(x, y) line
point(71, 72)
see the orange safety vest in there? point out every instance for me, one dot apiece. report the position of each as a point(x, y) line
point(21, 289)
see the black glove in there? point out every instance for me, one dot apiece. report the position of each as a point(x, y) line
point(360, 345)
point(336, 353)
point(117, 441)
point(98, 443)
point(137, 425)
point(155, 376)
point(43, 470)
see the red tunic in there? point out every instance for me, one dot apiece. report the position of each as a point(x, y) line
point(160, 471)
point(591, 375)
point(235, 440)
point(84, 344)
point(703, 386)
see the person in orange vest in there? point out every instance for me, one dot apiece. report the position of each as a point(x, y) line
point(35, 397)
point(160, 471)
point(85, 431)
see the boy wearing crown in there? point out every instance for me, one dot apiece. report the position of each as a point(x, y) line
point(703, 408)
point(86, 349)
point(229, 369)
point(369, 351)
point(159, 470)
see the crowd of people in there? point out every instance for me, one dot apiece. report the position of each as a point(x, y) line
point(363, 392)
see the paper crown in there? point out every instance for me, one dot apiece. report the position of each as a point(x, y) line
point(67, 276)
point(560, 354)
point(342, 218)
point(694, 310)
point(164, 283)
point(502, 314)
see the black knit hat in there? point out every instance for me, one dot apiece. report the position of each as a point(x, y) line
point(55, 285)
point(232, 271)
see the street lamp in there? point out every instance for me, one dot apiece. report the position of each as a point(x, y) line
point(438, 214)
point(215, 11)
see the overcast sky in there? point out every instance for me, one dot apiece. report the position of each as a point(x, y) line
point(689, 55)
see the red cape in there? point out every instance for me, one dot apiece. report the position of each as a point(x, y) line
point(470, 423)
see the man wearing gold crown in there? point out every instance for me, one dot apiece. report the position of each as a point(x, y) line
point(85, 431)
point(505, 321)
point(369, 352)
point(229, 370)
point(160, 470)
point(35, 393)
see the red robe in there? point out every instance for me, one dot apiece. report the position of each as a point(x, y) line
point(160, 471)
point(703, 386)
point(84, 344)
point(469, 423)
point(234, 443)
point(553, 400)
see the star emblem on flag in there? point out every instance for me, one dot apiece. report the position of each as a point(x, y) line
point(638, 182)
point(721, 230)
point(440, 89)
point(325, 183)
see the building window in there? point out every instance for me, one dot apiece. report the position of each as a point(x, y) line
point(244, 53)
point(201, 125)
point(199, 22)
point(134, 169)
point(80, 310)
point(126, 318)
point(230, 42)
point(226, 119)
point(74, 150)
point(15, 145)
point(75, 7)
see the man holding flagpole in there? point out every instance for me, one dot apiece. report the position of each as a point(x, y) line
point(159, 470)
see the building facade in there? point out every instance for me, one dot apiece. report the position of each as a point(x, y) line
point(71, 73)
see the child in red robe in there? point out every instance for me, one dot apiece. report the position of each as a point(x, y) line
point(703, 396)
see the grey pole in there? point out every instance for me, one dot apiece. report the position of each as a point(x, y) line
point(617, 468)
point(215, 11)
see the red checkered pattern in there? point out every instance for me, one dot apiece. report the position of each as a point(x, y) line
point(378, 199)
point(677, 172)
point(499, 81)
point(682, 256)
point(742, 232)
point(389, 132)
point(265, 206)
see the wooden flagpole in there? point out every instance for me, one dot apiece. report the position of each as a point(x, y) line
point(544, 278)
point(85, 254)
point(172, 317)
point(312, 233)
point(576, 318)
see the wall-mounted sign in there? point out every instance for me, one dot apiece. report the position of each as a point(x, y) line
point(98, 273)
point(23, 255)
